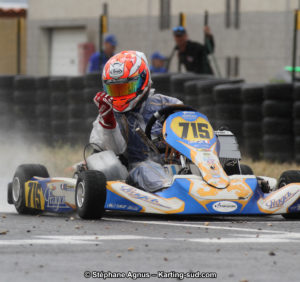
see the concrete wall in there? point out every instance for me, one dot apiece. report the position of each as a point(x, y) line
point(263, 41)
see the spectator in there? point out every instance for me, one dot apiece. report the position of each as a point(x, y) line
point(193, 55)
point(98, 60)
point(157, 63)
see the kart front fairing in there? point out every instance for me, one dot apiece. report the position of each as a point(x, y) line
point(211, 190)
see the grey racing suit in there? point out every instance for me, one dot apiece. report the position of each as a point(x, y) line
point(144, 172)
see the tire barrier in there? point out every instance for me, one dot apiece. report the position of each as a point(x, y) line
point(6, 102)
point(296, 125)
point(277, 109)
point(43, 110)
point(264, 118)
point(59, 109)
point(228, 109)
point(24, 106)
point(93, 85)
point(178, 80)
point(161, 82)
point(252, 96)
point(77, 129)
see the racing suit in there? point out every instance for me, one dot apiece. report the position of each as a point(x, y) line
point(144, 172)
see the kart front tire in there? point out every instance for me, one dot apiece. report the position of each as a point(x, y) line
point(90, 194)
point(23, 174)
point(287, 177)
point(246, 170)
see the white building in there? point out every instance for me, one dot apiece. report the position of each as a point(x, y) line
point(253, 37)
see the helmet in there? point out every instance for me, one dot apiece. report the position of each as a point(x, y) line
point(126, 78)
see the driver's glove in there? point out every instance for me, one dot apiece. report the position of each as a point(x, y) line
point(106, 114)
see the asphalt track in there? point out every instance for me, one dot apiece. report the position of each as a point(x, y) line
point(62, 248)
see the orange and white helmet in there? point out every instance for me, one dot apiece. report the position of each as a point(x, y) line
point(126, 78)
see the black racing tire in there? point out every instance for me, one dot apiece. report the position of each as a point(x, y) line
point(23, 174)
point(9, 194)
point(90, 110)
point(277, 109)
point(90, 194)
point(58, 84)
point(252, 129)
point(252, 93)
point(77, 111)
point(161, 82)
point(253, 148)
point(177, 82)
point(297, 128)
point(209, 111)
point(24, 83)
point(278, 91)
point(228, 112)
point(278, 157)
point(6, 95)
point(42, 111)
point(296, 92)
point(227, 94)
point(58, 98)
point(277, 126)
point(205, 99)
point(24, 111)
point(252, 112)
point(93, 80)
point(207, 86)
point(42, 82)
point(76, 82)
point(59, 112)
point(77, 125)
point(89, 94)
point(296, 110)
point(76, 97)
point(7, 81)
point(246, 170)
point(278, 144)
point(288, 177)
point(24, 97)
point(59, 127)
point(42, 97)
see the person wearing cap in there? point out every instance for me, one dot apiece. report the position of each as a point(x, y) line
point(98, 60)
point(194, 55)
point(158, 62)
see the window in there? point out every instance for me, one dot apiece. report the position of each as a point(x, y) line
point(228, 14)
point(235, 16)
point(232, 65)
point(165, 14)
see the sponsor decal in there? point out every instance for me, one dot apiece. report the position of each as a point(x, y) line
point(271, 204)
point(124, 207)
point(67, 187)
point(116, 70)
point(225, 206)
point(133, 192)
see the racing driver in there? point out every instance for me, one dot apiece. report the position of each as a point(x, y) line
point(127, 103)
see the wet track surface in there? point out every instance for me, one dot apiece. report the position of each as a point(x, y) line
point(62, 248)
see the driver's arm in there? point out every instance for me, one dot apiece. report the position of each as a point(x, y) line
point(108, 139)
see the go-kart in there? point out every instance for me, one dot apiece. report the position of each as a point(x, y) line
point(207, 178)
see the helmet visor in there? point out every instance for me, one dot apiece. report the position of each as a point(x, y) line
point(123, 89)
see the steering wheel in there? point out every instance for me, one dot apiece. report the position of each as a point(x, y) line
point(163, 114)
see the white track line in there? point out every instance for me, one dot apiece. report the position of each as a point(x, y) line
point(199, 226)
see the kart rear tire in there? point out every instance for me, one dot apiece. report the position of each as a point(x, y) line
point(9, 194)
point(246, 170)
point(287, 177)
point(90, 194)
point(24, 173)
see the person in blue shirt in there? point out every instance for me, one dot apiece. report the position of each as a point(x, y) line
point(98, 60)
point(157, 63)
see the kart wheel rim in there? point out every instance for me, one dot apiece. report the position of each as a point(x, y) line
point(16, 187)
point(80, 194)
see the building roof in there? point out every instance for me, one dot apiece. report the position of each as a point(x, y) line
point(13, 12)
